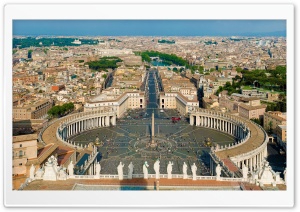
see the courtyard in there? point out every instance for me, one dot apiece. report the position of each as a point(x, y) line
point(178, 142)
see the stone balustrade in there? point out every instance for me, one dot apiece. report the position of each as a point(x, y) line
point(161, 176)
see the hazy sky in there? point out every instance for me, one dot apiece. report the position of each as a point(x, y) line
point(150, 27)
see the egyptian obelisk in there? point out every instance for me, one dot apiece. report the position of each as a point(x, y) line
point(152, 129)
point(153, 144)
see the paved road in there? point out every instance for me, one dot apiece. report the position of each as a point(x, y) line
point(152, 105)
point(276, 160)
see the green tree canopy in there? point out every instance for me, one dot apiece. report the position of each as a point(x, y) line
point(58, 111)
point(104, 63)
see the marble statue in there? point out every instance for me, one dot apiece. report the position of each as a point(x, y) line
point(51, 169)
point(62, 175)
point(120, 170)
point(32, 170)
point(145, 170)
point(130, 170)
point(277, 177)
point(184, 170)
point(169, 169)
point(39, 173)
point(71, 168)
point(55, 163)
point(266, 174)
point(245, 171)
point(98, 168)
point(194, 169)
point(218, 171)
point(156, 168)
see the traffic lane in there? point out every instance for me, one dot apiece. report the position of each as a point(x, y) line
point(276, 160)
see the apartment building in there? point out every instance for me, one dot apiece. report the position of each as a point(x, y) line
point(32, 110)
point(274, 118)
point(24, 149)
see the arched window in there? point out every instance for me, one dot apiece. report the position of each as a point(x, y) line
point(20, 153)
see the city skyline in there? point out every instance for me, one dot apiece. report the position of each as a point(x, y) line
point(258, 28)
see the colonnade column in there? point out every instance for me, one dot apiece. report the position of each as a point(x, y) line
point(107, 121)
point(114, 120)
point(265, 152)
point(197, 120)
point(191, 120)
point(234, 130)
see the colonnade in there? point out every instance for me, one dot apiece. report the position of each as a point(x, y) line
point(219, 123)
point(83, 123)
point(252, 161)
point(239, 128)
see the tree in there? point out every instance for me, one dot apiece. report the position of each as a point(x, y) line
point(227, 85)
point(257, 121)
point(29, 54)
point(281, 96)
point(270, 124)
point(237, 78)
point(238, 69)
point(104, 63)
point(57, 110)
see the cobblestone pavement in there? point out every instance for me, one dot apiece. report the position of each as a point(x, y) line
point(189, 143)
